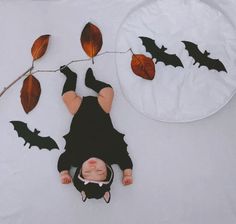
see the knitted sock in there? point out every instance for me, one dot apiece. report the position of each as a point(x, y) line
point(94, 84)
point(71, 78)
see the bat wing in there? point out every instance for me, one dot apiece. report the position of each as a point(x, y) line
point(203, 58)
point(46, 143)
point(193, 51)
point(159, 53)
point(170, 59)
point(150, 46)
point(22, 130)
point(214, 64)
point(32, 137)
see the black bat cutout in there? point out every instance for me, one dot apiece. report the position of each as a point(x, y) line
point(203, 58)
point(159, 53)
point(32, 137)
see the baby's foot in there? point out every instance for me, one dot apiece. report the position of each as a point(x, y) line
point(66, 71)
point(65, 177)
point(89, 78)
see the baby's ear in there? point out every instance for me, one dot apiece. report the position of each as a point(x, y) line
point(84, 197)
point(107, 196)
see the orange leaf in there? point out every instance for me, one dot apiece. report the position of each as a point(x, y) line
point(143, 66)
point(30, 93)
point(91, 39)
point(40, 46)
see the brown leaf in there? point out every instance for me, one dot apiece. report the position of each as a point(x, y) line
point(30, 93)
point(91, 39)
point(143, 66)
point(40, 46)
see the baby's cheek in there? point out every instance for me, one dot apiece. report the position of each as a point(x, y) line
point(86, 176)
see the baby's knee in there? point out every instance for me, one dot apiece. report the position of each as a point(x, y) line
point(72, 101)
point(107, 92)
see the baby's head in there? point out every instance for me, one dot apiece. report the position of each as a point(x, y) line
point(94, 169)
point(94, 179)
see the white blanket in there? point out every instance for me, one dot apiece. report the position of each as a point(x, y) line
point(179, 94)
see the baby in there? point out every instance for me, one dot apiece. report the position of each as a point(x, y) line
point(92, 144)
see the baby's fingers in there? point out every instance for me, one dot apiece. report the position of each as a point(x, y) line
point(127, 180)
point(66, 180)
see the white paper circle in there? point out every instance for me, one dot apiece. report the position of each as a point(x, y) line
point(178, 94)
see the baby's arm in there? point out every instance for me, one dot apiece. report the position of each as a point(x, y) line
point(63, 167)
point(124, 161)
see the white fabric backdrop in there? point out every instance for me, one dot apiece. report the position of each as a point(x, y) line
point(183, 173)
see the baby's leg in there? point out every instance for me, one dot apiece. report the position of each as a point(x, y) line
point(70, 98)
point(104, 90)
point(105, 98)
point(72, 101)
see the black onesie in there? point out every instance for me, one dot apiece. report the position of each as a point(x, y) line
point(93, 135)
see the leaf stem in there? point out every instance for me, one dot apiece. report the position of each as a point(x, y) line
point(131, 51)
point(21, 76)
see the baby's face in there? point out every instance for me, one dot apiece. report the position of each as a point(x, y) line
point(94, 169)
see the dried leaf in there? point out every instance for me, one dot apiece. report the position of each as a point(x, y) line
point(30, 93)
point(91, 39)
point(143, 66)
point(39, 47)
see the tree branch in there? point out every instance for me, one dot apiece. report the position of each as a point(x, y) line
point(56, 70)
point(21, 76)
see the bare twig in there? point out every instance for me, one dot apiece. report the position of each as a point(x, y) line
point(56, 70)
point(85, 59)
point(114, 52)
point(21, 76)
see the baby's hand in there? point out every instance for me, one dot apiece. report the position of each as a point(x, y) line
point(127, 180)
point(127, 177)
point(65, 177)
